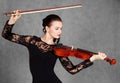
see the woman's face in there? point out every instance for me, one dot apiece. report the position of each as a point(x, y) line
point(55, 29)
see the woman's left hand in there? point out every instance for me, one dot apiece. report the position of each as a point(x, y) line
point(99, 56)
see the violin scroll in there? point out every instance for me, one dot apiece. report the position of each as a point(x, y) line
point(111, 61)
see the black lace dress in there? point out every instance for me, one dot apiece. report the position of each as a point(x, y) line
point(42, 58)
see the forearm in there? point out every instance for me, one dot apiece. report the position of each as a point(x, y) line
point(6, 33)
point(73, 69)
point(83, 65)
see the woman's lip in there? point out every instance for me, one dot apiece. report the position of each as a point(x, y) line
point(58, 35)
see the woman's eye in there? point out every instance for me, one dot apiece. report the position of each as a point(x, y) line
point(56, 28)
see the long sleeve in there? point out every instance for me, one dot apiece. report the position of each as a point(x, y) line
point(67, 64)
point(21, 39)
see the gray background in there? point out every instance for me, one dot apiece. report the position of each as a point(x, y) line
point(94, 27)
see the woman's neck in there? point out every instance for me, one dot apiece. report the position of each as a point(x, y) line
point(47, 39)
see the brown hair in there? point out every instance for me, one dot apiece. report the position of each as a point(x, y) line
point(48, 19)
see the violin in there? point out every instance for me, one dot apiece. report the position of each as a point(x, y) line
point(65, 51)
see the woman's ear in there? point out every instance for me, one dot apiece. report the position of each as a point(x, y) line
point(47, 28)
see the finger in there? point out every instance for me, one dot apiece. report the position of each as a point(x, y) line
point(13, 14)
point(18, 13)
point(103, 55)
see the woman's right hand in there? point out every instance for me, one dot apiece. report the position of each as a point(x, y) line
point(14, 17)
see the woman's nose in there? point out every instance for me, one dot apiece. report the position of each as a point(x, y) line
point(60, 31)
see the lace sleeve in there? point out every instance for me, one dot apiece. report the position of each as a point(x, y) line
point(67, 64)
point(7, 34)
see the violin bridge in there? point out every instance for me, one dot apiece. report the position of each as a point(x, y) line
point(72, 47)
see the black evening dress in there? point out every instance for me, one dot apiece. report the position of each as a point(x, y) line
point(42, 57)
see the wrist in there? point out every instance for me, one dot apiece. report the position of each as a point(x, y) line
point(92, 59)
point(10, 22)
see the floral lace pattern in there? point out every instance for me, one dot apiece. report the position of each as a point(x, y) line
point(67, 64)
point(25, 40)
point(33, 40)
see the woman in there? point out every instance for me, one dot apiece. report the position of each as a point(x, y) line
point(42, 57)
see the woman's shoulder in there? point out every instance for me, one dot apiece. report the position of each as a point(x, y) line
point(36, 37)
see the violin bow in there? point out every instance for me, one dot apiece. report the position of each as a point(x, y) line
point(45, 9)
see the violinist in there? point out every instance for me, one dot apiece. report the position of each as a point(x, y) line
point(41, 49)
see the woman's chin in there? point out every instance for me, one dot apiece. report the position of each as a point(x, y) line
point(57, 37)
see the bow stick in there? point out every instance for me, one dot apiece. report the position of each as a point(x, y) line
point(45, 9)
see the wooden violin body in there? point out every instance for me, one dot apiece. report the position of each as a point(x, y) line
point(79, 53)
